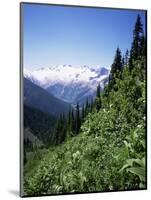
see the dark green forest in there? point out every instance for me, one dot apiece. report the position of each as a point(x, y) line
point(100, 146)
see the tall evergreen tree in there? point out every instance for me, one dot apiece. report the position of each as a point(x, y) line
point(130, 63)
point(57, 131)
point(83, 113)
point(78, 121)
point(61, 129)
point(98, 103)
point(137, 38)
point(87, 107)
point(126, 57)
point(98, 91)
point(69, 122)
point(144, 54)
point(116, 68)
point(136, 49)
point(64, 128)
point(98, 98)
point(143, 45)
point(123, 61)
point(72, 121)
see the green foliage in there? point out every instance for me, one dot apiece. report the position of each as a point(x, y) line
point(108, 153)
point(116, 68)
point(77, 120)
point(98, 98)
point(40, 124)
point(33, 159)
point(98, 91)
point(136, 167)
point(61, 129)
point(138, 44)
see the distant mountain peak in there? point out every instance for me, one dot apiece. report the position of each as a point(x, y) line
point(69, 82)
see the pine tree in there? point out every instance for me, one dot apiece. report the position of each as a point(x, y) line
point(57, 131)
point(123, 61)
point(98, 98)
point(69, 121)
point(98, 91)
point(143, 45)
point(130, 63)
point(87, 110)
point(72, 121)
point(64, 128)
point(116, 68)
point(137, 38)
point(98, 103)
point(61, 129)
point(78, 121)
point(144, 54)
point(83, 113)
point(136, 49)
point(126, 57)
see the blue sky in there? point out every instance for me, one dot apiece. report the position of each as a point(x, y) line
point(55, 35)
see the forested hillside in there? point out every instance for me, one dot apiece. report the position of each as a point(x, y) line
point(106, 149)
point(41, 124)
point(37, 97)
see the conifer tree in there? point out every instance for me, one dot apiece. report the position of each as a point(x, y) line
point(78, 121)
point(123, 61)
point(57, 131)
point(116, 68)
point(126, 57)
point(130, 63)
point(98, 98)
point(98, 104)
point(98, 91)
point(87, 107)
point(143, 45)
point(69, 121)
point(61, 129)
point(136, 49)
point(83, 113)
point(72, 121)
point(64, 128)
point(137, 38)
point(144, 54)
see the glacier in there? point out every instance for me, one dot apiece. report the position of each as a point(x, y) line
point(69, 83)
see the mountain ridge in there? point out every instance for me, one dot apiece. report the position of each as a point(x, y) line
point(37, 97)
point(68, 82)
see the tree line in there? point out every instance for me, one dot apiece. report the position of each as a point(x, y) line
point(68, 126)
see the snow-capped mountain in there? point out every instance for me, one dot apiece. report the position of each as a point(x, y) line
point(69, 83)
